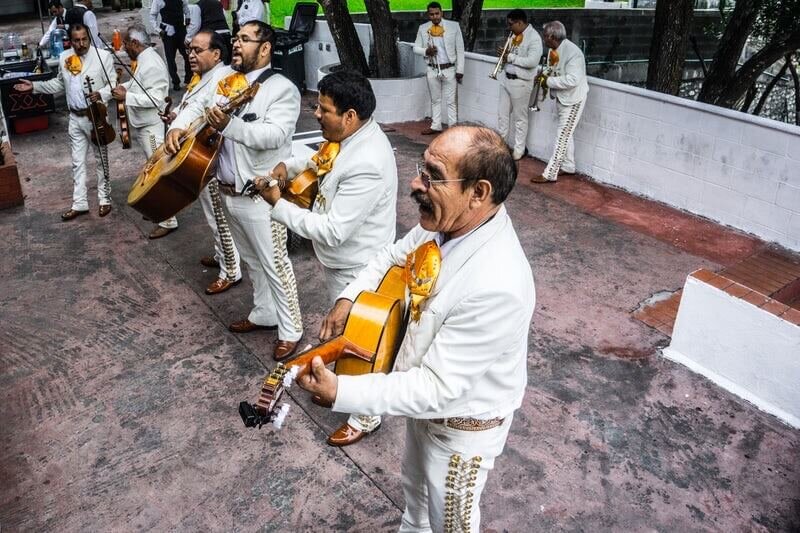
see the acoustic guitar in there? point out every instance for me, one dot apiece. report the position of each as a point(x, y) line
point(372, 335)
point(168, 183)
point(122, 119)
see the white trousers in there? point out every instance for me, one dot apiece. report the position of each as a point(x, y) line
point(225, 253)
point(336, 279)
point(442, 90)
point(564, 151)
point(80, 137)
point(149, 138)
point(262, 246)
point(515, 96)
point(444, 472)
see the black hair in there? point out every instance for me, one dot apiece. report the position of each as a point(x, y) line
point(434, 5)
point(517, 14)
point(488, 158)
point(349, 90)
point(55, 3)
point(75, 26)
point(264, 32)
point(216, 42)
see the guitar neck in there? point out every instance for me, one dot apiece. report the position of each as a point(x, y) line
point(330, 352)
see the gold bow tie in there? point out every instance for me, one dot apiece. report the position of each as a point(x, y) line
point(325, 156)
point(436, 31)
point(193, 82)
point(552, 58)
point(73, 64)
point(232, 85)
point(517, 40)
point(134, 65)
point(422, 269)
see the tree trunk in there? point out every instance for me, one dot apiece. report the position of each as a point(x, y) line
point(754, 67)
point(470, 22)
point(723, 66)
point(796, 81)
point(384, 34)
point(458, 9)
point(673, 21)
point(351, 54)
point(748, 98)
point(771, 85)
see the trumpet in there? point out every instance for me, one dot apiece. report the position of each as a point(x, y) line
point(501, 61)
point(433, 61)
point(542, 71)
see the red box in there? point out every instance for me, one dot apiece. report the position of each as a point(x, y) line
point(29, 124)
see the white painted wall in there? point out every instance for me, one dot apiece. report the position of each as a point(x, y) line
point(740, 347)
point(731, 167)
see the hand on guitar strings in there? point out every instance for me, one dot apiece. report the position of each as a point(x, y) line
point(320, 381)
point(217, 118)
point(172, 144)
point(334, 322)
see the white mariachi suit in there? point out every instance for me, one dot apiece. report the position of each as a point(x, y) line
point(258, 137)
point(80, 125)
point(145, 123)
point(353, 217)
point(225, 251)
point(568, 83)
point(466, 357)
point(515, 94)
point(450, 49)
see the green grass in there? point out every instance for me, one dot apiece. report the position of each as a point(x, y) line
point(284, 8)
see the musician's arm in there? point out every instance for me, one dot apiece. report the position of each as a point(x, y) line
point(574, 72)
point(193, 110)
point(459, 50)
point(45, 40)
point(52, 86)
point(391, 255)
point(531, 55)
point(274, 128)
point(295, 165)
point(155, 8)
point(157, 85)
point(355, 198)
point(419, 44)
point(108, 66)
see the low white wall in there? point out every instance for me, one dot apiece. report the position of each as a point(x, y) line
point(731, 167)
point(740, 347)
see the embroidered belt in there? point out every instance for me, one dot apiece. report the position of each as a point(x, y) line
point(511, 76)
point(443, 66)
point(228, 190)
point(469, 424)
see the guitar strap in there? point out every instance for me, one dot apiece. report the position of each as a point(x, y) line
point(264, 76)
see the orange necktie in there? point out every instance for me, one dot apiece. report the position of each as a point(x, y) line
point(422, 269)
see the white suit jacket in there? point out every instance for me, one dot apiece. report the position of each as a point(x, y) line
point(151, 72)
point(525, 58)
point(569, 75)
point(263, 128)
point(202, 86)
point(453, 42)
point(91, 67)
point(467, 354)
point(357, 218)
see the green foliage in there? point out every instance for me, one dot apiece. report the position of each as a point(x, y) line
point(283, 8)
point(775, 17)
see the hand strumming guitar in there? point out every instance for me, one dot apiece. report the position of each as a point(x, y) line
point(334, 322)
point(320, 381)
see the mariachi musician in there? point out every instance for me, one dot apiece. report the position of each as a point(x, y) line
point(255, 138)
point(207, 53)
point(76, 64)
point(353, 216)
point(142, 98)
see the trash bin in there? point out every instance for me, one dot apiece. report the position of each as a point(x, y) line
point(288, 56)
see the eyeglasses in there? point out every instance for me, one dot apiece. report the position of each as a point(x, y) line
point(245, 40)
point(426, 178)
point(196, 50)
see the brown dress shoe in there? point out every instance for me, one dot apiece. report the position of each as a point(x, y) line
point(430, 131)
point(159, 232)
point(347, 435)
point(209, 262)
point(245, 326)
point(69, 215)
point(283, 349)
point(104, 210)
point(565, 173)
point(221, 285)
point(541, 179)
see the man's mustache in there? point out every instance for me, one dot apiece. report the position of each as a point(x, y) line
point(423, 201)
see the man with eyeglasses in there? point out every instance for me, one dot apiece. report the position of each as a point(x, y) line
point(353, 216)
point(206, 56)
point(256, 137)
point(460, 372)
point(141, 101)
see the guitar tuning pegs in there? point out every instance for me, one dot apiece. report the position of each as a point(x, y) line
point(290, 376)
point(280, 416)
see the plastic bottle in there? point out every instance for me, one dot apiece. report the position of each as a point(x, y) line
point(57, 42)
point(24, 53)
point(116, 40)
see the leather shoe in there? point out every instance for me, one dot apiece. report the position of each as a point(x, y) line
point(159, 232)
point(430, 131)
point(245, 326)
point(209, 262)
point(104, 210)
point(541, 179)
point(221, 285)
point(69, 215)
point(283, 349)
point(565, 173)
point(347, 435)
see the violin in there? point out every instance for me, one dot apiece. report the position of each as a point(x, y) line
point(122, 120)
point(102, 132)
